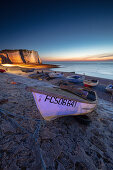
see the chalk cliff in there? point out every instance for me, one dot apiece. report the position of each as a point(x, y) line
point(19, 56)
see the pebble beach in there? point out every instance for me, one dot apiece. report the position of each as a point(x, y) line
point(67, 143)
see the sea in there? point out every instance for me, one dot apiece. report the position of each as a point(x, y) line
point(100, 69)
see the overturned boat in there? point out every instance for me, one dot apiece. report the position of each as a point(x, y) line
point(54, 102)
point(75, 78)
point(90, 83)
point(56, 75)
point(27, 70)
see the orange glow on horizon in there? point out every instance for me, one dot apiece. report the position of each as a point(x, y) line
point(110, 59)
point(89, 58)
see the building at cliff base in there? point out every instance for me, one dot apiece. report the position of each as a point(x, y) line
point(19, 57)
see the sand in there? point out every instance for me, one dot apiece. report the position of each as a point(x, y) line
point(65, 143)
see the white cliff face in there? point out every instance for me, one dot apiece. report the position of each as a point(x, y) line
point(20, 56)
point(31, 57)
point(15, 57)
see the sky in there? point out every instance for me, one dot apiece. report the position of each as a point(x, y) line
point(71, 30)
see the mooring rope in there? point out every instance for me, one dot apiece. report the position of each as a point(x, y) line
point(19, 116)
point(35, 135)
point(14, 123)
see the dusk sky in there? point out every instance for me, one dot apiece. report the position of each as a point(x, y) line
point(59, 30)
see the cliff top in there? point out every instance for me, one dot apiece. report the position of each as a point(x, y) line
point(15, 50)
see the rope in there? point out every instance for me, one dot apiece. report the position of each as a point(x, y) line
point(19, 116)
point(15, 124)
point(35, 135)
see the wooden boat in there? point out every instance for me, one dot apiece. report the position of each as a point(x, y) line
point(27, 70)
point(75, 78)
point(90, 83)
point(109, 88)
point(2, 71)
point(54, 102)
point(56, 75)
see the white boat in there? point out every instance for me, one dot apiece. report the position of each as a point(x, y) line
point(55, 102)
point(109, 88)
point(56, 75)
point(90, 83)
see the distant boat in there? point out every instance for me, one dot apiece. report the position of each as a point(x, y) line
point(75, 78)
point(26, 70)
point(2, 71)
point(90, 83)
point(54, 102)
point(56, 75)
point(109, 88)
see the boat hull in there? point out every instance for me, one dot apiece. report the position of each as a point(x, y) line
point(109, 88)
point(2, 71)
point(75, 78)
point(56, 75)
point(52, 107)
point(75, 81)
point(88, 83)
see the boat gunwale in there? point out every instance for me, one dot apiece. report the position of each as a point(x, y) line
point(42, 91)
point(89, 82)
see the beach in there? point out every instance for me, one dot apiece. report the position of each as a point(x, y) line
point(65, 143)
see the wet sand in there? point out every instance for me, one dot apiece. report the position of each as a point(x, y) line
point(65, 143)
point(34, 66)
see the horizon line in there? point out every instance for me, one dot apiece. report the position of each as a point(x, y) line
point(75, 60)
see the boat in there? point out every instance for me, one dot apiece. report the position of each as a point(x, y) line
point(2, 71)
point(90, 83)
point(56, 75)
point(109, 88)
point(54, 102)
point(27, 70)
point(75, 78)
